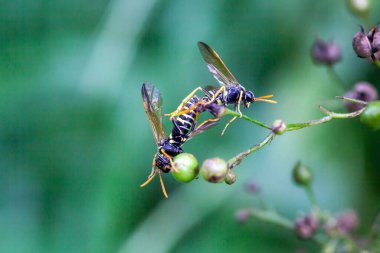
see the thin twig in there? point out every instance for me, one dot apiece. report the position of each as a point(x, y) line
point(236, 160)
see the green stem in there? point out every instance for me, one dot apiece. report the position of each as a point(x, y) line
point(254, 121)
point(330, 116)
point(272, 217)
point(334, 76)
point(311, 196)
point(236, 160)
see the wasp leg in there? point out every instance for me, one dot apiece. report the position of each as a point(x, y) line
point(170, 159)
point(179, 109)
point(150, 178)
point(152, 174)
point(162, 184)
point(238, 105)
point(229, 122)
point(238, 110)
point(200, 126)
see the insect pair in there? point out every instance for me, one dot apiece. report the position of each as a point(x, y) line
point(184, 118)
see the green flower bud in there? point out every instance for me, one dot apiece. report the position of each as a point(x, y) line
point(278, 127)
point(214, 170)
point(230, 177)
point(371, 115)
point(185, 167)
point(359, 7)
point(302, 175)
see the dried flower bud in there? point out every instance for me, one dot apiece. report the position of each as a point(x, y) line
point(367, 45)
point(278, 127)
point(363, 91)
point(325, 52)
point(185, 167)
point(371, 115)
point(302, 174)
point(359, 7)
point(306, 226)
point(214, 170)
point(242, 215)
point(252, 187)
point(361, 44)
point(347, 221)
point(230, 177)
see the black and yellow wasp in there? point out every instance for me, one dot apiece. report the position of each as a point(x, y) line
point(184, 128)
point(230, 92)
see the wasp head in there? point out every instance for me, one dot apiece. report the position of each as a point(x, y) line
point(248, 98)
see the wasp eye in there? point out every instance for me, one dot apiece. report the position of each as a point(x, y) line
point(249, 97)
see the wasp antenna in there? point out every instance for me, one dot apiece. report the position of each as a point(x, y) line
point(264, 99)
point(162, 185)
point(150, 178)
point(267, 96)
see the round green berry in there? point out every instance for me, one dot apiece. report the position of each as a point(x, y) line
point(302, 175)
point(371, 115)
point(185, 167)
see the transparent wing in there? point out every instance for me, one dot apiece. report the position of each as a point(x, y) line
point(216, 66)
point(152, 101)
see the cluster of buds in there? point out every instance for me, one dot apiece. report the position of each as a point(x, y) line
point(367, 45)
point(306, 226)
point(342, 224)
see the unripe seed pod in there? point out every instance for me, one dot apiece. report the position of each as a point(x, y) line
point(302, 175)
point(371, 115)
point(278, 127)
point(214, 170)
point(185, 167)
point(230, 177)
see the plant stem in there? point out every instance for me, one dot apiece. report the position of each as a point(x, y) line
point(236, 160)
point(334, 76)
point(254, 121)
point(330, 116)
point(272, 217)
point(311, 196)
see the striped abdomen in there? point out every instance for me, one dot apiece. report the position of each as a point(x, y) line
point(184, 124)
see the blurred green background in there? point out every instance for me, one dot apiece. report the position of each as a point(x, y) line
point(76, 144)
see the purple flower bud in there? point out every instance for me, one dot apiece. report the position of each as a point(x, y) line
point(367, 45)
point(252, 187)
point(347, 221)
point(361, 91)
point(242, 215)
point(306, 226)
point(361, 44)
point(325, 52)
